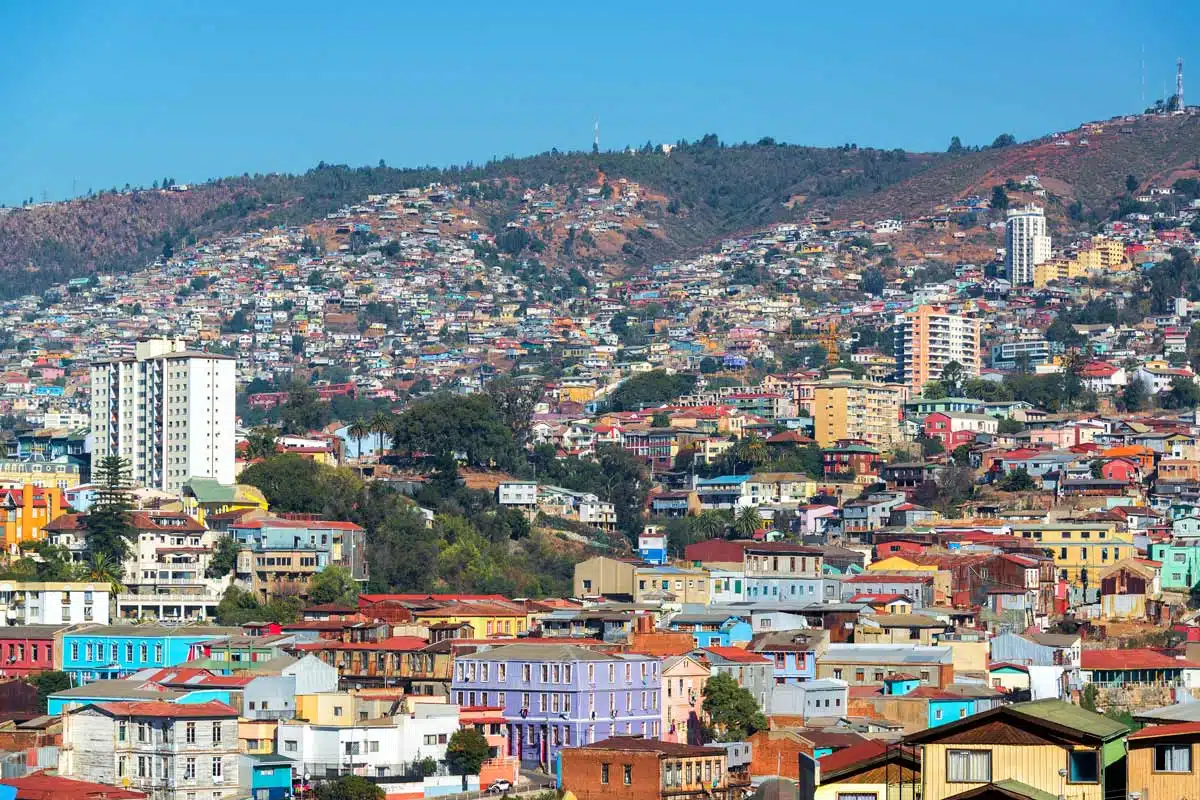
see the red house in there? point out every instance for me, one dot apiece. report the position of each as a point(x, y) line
point(27, 649)
point(1121, 469)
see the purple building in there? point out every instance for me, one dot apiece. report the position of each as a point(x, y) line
point(557, 696)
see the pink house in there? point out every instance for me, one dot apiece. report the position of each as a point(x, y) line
point(683, 680)
point(1121, 469)
point(954, 429)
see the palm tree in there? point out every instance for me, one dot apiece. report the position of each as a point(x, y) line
point(709, 525)
point(382, 424)
point(358, 430)
point(102, 569)
point(747, 523)
point(753, 451)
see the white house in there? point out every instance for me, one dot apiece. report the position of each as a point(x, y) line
point(378, 747)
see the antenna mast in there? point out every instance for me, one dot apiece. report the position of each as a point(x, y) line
point(596, 135)
point(1179, 86)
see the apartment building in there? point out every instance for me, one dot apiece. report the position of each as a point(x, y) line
point(170, 751)
point(281, 556)
point(26, 512)
point(53, 602)
point(843, 408)
point(1026, 242)
point(169, 411)
point(928, 338)
point(781, 571)
point(558, 696)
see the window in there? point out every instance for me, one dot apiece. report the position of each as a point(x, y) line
point(189, 769)
point(1172, 758)
point(969, 766)
point(1083, 767)
point(141, 652)
point(129, 651)
point(373, 747)
point(216, 732)
point(142, 732)
point(604, 773)
point(158, 653)
point(627, 773)
point(937, 713)
point(189, 733)
point(122, 766)
point(289, 745)
point(122, 731)
point(857, 796)
point(217, 768)
point(337, 711)
point(141, 766)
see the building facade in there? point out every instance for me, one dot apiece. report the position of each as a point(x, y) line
point(1026, 243)
point(169, 411)
point(557, 696)
point(928, 338)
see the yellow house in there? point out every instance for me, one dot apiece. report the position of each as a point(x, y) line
point(1040, 749)
point(1079, 550)
point(58, 474)
point(256, 736)
point(487, 619)
point(204, 496)
point(326, 708)
point(898, 564)
point(868, 770)
point(651, 584)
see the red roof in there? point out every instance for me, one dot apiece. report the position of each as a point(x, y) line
point(715, 550)
point(1161, 731)
point(159, 708)
point(40, 786)
point(421, 598)
point(878, 598)
point(737, 654)
point(1134, 658)
point(854, 754)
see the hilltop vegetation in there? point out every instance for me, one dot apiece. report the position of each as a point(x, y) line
point(710, 190)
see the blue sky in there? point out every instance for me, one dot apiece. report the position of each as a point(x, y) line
point(101, 94)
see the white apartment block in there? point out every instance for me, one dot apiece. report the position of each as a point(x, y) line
point(169, 411)
point(1026, 242)
point(54, 603)
point(170, 751)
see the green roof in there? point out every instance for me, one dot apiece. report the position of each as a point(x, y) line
point(1068, 715)
point(211, 490)
point(1023, 790)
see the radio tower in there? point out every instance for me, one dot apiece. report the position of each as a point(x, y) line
point(1179, 107)
point(596, 135)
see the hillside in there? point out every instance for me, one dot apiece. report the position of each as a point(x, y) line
point(708, 190)
point(1156, 150)
point(698, 193)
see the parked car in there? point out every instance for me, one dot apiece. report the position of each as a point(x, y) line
point(500, 787)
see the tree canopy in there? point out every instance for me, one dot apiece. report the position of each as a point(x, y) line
point(648, 389)
point(732, 709)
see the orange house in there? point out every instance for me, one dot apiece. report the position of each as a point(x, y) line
point(26, 511)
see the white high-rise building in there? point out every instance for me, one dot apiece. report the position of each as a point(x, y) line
point(169, 411)
point(1026, 242)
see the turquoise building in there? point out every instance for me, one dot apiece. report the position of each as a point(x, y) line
point(1180, 571)
point(122, 691)
point(266, 777)
point(116, 651)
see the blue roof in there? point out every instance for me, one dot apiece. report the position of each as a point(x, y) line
point(722, 479)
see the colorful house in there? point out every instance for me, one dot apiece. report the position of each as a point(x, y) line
point(1164, 761)
point(120, 650)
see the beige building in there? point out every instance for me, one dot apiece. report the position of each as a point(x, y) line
point(843, 408)
point(670, 584)
point(603, 576)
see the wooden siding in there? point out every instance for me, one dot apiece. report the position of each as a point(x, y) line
point(1162, 785)
point(1035, 765)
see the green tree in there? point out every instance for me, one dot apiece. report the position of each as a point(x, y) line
point(1184, 393)
point(48, 683)
point(872, 282)
point(468, 428)
point(224, 558)
point(108, 522)
point(303, 411)
point(661, 419)
point(466, 752)
point(934, 390)
point(514, 401)
point(261, 442)
point(648, 389)
point(962, 454)
point(1017, 480)
point(1003, 140)
point(709, 525)
point(956, 146)
point(999, 198)
point(1134, 395)
point(1009, 426)
point(954, 375)
point(237, 607)
point(100, 568)
point(732, 709)
point(350, 787)
point(709, 365)
point(748, 522)
point(1131, 183)
point(334, 584)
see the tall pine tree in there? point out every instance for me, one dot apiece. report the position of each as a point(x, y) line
point(108, 522)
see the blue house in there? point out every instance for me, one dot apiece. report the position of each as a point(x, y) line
point(793, 653)
point(949, 708)
point(712, 628)
point(266, 777)
point(942, 705)
point(116, 651)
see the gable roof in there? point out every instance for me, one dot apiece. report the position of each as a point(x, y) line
point(1064, 719)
